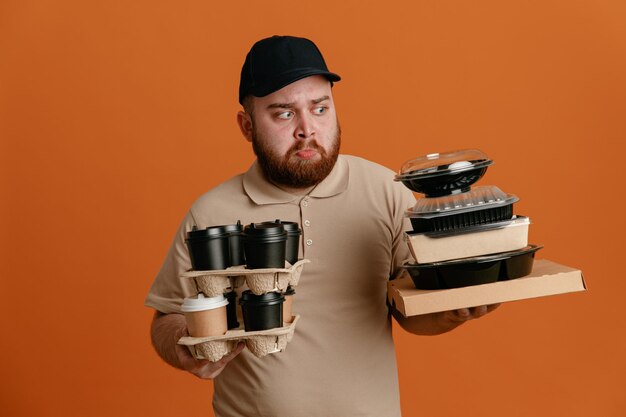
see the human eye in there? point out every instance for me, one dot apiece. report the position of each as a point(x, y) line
point(285, 115)
point(320, 110)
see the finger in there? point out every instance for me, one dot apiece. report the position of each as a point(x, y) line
point(478, 312)
point(492, 307)
point(187, 360)
point(462, 314)
point(184, 354)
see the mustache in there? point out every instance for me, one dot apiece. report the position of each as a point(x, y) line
point(309, 144)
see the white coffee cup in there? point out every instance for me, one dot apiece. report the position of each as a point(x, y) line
point(206, 316)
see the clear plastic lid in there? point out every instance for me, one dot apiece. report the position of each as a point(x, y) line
point(478, 198)
point(440, 174)
point(515, 221)
point(444, 163)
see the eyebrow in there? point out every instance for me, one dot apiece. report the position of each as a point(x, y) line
point(292, 105)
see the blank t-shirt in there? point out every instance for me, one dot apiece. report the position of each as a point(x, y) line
point(341, 360)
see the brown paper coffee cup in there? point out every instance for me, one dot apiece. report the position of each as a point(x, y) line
point(287, 314)
point(205, 316)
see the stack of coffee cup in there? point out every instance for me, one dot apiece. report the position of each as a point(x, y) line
point(264, 245)
point(268, 245)
point(217, 248)
point(462, 235)
point(292, 250)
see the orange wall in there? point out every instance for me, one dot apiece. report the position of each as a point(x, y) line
point(116, 115)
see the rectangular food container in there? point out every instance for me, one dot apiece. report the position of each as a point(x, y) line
point(472, 241)
point(480, 205)
point(477, 270)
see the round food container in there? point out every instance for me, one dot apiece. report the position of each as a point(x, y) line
point(446, 173)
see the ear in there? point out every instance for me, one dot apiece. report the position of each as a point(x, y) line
point(244, 121)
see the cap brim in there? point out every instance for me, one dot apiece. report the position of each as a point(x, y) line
point(285, 79)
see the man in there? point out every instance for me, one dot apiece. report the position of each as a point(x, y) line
point(341, 360)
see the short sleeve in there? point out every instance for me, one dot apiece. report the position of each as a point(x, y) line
point(169, 289)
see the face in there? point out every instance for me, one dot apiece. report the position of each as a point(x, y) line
point(294, 132)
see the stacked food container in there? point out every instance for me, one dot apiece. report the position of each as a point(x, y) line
point(462, 235)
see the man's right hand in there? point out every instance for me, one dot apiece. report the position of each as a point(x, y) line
point(165, 332)
point(203, 368)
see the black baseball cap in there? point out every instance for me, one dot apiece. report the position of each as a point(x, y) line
point(275, 62)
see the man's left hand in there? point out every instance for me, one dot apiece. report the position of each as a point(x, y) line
point(437, 323)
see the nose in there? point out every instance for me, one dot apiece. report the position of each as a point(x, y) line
point(305, 127)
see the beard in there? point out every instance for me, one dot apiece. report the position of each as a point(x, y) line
point(291, 171)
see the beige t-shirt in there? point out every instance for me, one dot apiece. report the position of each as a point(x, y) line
point(341, 360)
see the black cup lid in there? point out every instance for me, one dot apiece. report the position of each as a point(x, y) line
point(270, 297)
point(290, 227)
point(213, 231)
point(234, 228)
point(265, 229)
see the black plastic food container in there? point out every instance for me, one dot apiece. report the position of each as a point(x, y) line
point(462, 220)
point(446, 173)
point(473, 271)
point(482, 205)
point(262, 312)
point(444, 185)
point(264, 245)
point(519, 265)
point(292, 247)
point(208, 248)
point(231, 310)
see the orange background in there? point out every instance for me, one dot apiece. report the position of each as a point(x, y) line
point(116, 115)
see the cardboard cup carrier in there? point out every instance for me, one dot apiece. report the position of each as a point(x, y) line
point(262, 286)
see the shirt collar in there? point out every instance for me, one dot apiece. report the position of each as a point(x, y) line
point(261, 191)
